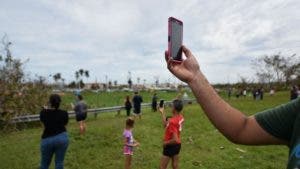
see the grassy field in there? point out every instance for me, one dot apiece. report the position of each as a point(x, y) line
point(107, 99)
point(101, 147)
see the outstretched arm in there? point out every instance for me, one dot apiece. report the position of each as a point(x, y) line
point(232, 123)
point(163, 116)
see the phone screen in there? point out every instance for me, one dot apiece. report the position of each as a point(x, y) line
point(175, 38)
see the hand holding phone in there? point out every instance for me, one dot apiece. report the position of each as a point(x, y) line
point(175, 35)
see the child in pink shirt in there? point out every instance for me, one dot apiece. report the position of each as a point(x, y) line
point(129, 142)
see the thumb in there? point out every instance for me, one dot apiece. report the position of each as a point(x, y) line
point(167, 55)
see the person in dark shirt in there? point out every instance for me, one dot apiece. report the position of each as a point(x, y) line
point(137, 100)
point(81, 113)
point(128, 105)
point(154, 102)
point(54, 137)
point(294, 92)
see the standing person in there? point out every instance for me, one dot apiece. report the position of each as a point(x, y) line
point(154, 102)
point(129, 142)
point(172, 142)
point(128, 105)
point(261, 92)
point(272, 91)
point(294, 92)
point(258, 94)
point(137, 100)
point(54, 138)
point(238, 93)
point(244, 92)
point(229, 92)
point(254, 93)
point(276, 126)
point(80, 109)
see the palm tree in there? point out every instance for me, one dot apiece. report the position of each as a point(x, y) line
point(77, 75)
point(63, 81)
point(129, 83)
point(57, 77)
point(86, 74)
point(77, 78)
point(80, 74)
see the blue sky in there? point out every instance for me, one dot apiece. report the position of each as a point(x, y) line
point(112, 37)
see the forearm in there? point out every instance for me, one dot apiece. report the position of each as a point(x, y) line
point(163, 119)
point(130, 144)
point(224, 117)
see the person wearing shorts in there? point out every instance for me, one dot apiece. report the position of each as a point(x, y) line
point(81, 113)
point(129, 142)
point(172, 142)
point(81, 117)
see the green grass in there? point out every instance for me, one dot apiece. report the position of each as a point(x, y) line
point(107, 99)
point(101, 147)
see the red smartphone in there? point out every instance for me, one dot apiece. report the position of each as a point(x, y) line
point(175, 32)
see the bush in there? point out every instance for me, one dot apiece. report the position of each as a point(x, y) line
point(17, 96)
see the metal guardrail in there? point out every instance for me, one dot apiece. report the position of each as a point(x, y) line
point(96, 111)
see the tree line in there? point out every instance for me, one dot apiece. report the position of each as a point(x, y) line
point(277, 70)
point(20, 94)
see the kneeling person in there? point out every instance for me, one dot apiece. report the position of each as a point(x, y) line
point(173, 127)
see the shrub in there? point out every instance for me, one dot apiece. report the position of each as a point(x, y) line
point(17, 96)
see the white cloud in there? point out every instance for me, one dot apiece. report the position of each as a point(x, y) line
point(113, 37)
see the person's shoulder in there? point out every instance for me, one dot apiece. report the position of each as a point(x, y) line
point(82, 102)
point(177, 118)
point(46, 111)
point(181, 116)
point(43, 111)
point(62, 111)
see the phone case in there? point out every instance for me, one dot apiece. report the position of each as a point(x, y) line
point(170, 20)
